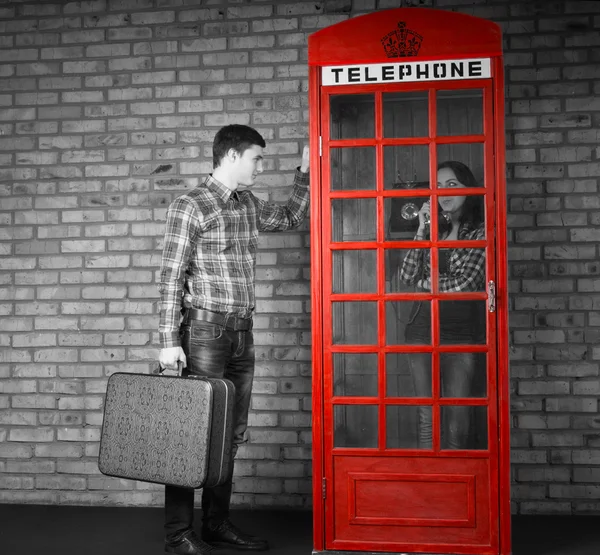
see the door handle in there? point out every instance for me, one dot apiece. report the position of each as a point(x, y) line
point(491, 296)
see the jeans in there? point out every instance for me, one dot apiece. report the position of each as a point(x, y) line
point(216, 352)
point(457, 375)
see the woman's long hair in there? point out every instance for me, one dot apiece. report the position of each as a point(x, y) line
point(473, 208)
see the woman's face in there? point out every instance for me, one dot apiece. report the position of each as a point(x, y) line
point(447, 179)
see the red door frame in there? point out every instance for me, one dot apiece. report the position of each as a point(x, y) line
point(359, 41)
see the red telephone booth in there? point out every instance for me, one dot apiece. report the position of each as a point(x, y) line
point(410, 379)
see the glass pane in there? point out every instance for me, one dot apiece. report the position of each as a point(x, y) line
point(354, 271)
point(405, 114)
point(463, 375)
point(353, 169)
point(415, 267)
point(354, 323)
point(460, 112)
point(353, 219)
point(463, 322)
point(408, 374)
point(355, 426)
point(449, 218)
point(408, 322)
point(355, 374)
point(406, 167)
point(402, 427)
point(464, 427)
point(402, 217)
point(461, 270)
point(394, 262)
point(352, 116)
point(464, 162)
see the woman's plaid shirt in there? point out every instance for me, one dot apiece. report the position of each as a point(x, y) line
point(209, 252)
point(466, 267)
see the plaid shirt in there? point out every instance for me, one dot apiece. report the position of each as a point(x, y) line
point(209, 252)
point(466, 267)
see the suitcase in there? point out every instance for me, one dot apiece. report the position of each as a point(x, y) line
point(168, 429)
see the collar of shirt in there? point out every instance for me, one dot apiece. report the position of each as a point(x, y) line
point(468, 231)
point(220, 190)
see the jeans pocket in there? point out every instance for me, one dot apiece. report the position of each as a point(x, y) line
point(205, 331)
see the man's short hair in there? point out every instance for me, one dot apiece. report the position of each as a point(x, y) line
point(238, 137)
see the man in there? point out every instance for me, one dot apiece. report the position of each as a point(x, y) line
point(207, 301)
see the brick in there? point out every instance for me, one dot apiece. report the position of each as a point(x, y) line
point(562, 320)
point(586, 475)
point(566, 154)
point(584, 136)
point(545, 236)
point(296, 420)
point(569, 252)
point(18, 418)
point(572, 352)
point(200, 14)
point(33, 401)
point(538, 138)
point(60, 418)
point(37, 435)
point(34, 467)
point(543, 388)
point(583, 369)
point(264, 420)
point(60, 482)
point(547, 286)
point(264, 386)
point(563, 89)
point(545, 507)
point(79, 467)
point(566, 120)
point(584, 170)
point(225, 59)
point(280, 470)
point(571, 405)
point(274, 403)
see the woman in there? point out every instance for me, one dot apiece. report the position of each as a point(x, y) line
point(460, 269)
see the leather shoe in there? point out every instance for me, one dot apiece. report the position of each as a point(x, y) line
point(188, 544)
point(226, 534)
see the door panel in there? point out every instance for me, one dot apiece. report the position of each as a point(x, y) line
point(426, 502)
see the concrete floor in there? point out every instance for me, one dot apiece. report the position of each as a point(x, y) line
point(67, 530)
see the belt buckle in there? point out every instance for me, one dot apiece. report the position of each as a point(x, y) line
point(238, 324)
point(230, 321)
point(235, 323)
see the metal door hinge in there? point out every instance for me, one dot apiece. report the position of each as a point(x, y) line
point(491, 296)
point(324, 488)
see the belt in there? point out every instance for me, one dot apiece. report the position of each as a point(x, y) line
point(228, 321)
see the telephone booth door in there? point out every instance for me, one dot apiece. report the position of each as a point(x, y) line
point(410, 380)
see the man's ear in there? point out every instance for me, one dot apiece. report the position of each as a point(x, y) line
point(232, 155)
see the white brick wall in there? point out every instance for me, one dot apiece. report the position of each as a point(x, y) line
point(107, 111)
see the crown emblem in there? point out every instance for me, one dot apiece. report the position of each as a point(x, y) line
point(402, 42)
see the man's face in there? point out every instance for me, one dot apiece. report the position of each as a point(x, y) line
point(249, 165)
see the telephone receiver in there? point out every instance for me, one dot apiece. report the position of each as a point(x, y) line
point(410, 211)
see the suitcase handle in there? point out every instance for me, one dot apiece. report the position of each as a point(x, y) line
point(161, 370)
